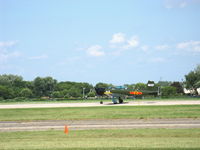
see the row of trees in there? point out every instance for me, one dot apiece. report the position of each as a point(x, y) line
point(13, 86)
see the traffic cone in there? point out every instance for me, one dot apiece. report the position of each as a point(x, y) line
point(66, 130)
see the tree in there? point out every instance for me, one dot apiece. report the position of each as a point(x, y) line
point(39, 87)
point(26, 92)
point(168, 91)
point(57, 94)
point(193, 79)
point(197, 84)
point(6, 92)
point(29, 84)
point(102, 85)
point(91, 94)
point(75, 92)
point(140, 86)
point(44, 86)
point(73, 89)
point(178, 86)
point(87, 87)
point(49, 85)
point(130, 86)
point(63, 86)
point(11, 80)
point(14, 83)
point(65, 92)
point(164, 83)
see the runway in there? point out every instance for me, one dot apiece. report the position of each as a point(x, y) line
point(92, 104)
point(8, 126)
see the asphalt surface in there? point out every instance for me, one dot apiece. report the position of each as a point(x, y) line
point(8, 126)
point(132, 103)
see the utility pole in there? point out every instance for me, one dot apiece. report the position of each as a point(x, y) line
point(83, 93)
point(159, 91)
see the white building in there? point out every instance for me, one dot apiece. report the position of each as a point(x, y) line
point(186, 91)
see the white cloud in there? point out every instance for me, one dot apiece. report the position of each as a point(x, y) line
point(5, 55)
point(192, 46)
point(183, 45)
point(132, 42)
point(162, 47)
point(180, 3)
point(8, 44)
point(175, 4)
point(117, 38)
point(44, 56)
point(183, 4)
point(197, 48)
point(121, 43)
point(95, 50)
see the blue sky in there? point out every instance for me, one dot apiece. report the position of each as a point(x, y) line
point(112, 41)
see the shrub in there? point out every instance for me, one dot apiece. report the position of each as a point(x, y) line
point(168, 91)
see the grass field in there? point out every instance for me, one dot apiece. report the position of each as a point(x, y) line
point(110, 112)
point(102, 139)
point(111, 139)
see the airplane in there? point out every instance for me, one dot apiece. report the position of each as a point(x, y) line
point(117, 92)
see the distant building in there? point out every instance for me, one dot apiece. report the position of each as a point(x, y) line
point(150, 83)
point(186, 91)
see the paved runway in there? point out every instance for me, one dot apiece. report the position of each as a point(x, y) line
point(98, 124)
point(132, 103)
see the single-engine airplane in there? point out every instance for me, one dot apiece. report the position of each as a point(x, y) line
point(116, 93)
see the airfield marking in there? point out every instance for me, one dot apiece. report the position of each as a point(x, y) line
point(133, 103)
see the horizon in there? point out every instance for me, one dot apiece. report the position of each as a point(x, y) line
point(124, 84)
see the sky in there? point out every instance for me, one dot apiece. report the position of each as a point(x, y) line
point(112, 41)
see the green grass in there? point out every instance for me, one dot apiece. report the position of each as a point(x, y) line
point(109, 112)
point(102, 139)
point(29, 101)
point(59, 101)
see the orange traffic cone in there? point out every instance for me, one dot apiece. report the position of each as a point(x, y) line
point(66, 130)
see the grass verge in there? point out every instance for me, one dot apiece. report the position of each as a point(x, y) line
point(102, 139)
point(110, 112)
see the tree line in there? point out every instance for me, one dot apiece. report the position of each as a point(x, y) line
point(14, 87)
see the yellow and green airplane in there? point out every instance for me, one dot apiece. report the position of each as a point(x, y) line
point(116, 93)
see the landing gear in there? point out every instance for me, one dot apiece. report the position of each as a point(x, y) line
point(120, 100)
point(114, 100)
